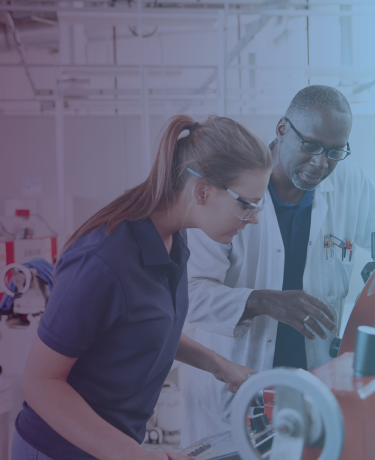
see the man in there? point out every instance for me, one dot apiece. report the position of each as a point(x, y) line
point(275, 296)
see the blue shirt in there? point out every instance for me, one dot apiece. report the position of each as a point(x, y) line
point(119, 305)
point(294, 222)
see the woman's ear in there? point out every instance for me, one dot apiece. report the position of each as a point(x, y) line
point(200, 192)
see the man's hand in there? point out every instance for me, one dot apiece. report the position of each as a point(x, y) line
point(231, 373)
point(292, 307)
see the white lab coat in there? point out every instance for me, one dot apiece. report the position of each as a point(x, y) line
point(222, 276)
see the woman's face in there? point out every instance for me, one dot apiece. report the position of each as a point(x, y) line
point(219, 212)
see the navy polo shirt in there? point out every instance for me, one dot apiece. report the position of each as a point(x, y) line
point(294, 222)
point(119, 305)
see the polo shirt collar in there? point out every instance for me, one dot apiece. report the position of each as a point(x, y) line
point(151, 245)
point(306, 200)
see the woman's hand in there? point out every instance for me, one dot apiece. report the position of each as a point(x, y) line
point(231, 373)
point(165, 455)
point(193, 353)
point(177, 456)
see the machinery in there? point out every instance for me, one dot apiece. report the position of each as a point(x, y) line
point(326, 414)
point(305, 413)
point(363, 312)
point(28, 263)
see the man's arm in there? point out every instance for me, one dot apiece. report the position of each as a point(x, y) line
point(222, 309)
point(213, 307)
point(366, 212)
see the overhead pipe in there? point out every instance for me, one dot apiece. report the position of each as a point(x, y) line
point(145, 116)
point(121, 13)
point(20, 49)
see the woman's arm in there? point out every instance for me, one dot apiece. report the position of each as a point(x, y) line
point(193, 353)
point(46, 391)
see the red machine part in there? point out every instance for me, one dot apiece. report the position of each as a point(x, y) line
point(363, 314)
point(356, 396)
point(269, 402)
point(25, 213)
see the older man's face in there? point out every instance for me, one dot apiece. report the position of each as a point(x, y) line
point(321, 125)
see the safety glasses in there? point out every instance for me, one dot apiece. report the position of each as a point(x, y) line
point(245, 210)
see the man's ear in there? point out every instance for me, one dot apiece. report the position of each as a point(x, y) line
point(200, 192)
point(280, 129)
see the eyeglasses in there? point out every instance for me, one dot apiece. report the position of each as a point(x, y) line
point(313, 148)
point(246, 210)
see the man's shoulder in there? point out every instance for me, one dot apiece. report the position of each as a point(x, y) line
point(347, 173)
point(203, 247)
point(196, 236)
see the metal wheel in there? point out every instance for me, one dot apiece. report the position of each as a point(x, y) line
point(298, 382)
point(25, 271)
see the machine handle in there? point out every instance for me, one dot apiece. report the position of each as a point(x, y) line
point(373, 246)
point(21, 268)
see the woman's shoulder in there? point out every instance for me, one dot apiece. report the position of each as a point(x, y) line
point(110, 247)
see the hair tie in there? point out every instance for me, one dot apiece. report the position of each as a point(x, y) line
point(191, 129)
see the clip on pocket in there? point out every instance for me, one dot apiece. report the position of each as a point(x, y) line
point(332, 240)
point(328, 247)
point(349, 247)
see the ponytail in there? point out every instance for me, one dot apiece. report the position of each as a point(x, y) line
point(219, 149)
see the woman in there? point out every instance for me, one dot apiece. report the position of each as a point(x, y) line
point(114, 320)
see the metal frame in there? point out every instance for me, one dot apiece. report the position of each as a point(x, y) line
point(71, 24)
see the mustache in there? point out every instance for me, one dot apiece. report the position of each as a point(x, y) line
point(314, 175)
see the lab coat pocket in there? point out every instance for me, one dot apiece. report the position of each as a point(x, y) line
point(344, 268)
point(337, 273)
point(331, 294)
point(329, 278)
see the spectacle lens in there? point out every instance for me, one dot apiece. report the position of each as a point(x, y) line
point(316, 149)
point(337, 154)
point(312, 148)
point(246, 212)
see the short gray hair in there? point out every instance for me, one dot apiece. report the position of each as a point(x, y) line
point(322, 95)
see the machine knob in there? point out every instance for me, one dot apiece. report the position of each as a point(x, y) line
point(335, 347)
point(288, 422)
point(367, 271)
point(364, 362)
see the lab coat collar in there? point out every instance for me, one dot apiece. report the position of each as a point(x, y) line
point(325, 186)
point(319, 211)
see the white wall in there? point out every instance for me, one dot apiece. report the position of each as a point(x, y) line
point(102, 159)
